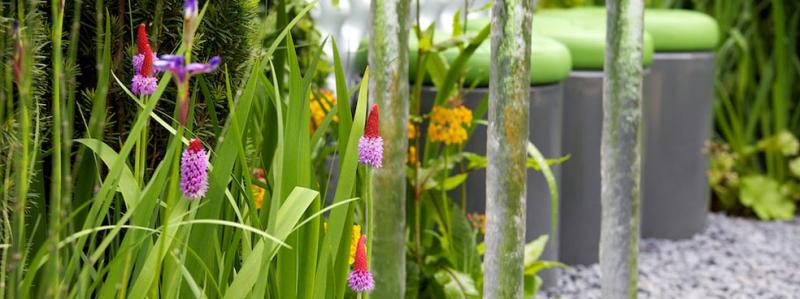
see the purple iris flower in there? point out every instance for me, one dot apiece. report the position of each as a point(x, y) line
point(176, 65)
point(189, 9)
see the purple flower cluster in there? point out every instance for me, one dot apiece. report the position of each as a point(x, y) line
point(143, 85)
point(370, 151)
point(194, 168)
point(360, 281)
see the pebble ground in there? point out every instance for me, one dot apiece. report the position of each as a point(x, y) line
point(733, 258)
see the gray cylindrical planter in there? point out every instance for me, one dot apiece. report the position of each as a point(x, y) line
point(584, 35)
point(677, 115)
point(545, 133)
point(678, 122)
point(580, 179)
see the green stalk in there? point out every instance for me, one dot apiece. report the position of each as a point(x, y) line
point(388, 64)
point(507, 148)
point(621, 145)
point(22, 163)
point(174, 183)
point(370, 215)
point(56, 180)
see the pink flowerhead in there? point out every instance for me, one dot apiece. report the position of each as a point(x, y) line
point(360, 280)
point(370, 146)
point(194, 168)
point(143, 85)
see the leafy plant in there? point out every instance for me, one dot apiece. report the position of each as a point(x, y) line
point(105, 229)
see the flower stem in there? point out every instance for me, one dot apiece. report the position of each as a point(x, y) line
point(370, 218)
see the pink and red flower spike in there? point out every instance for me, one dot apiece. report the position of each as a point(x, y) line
point(360, 279)
point(370, 146)
point(194, 171)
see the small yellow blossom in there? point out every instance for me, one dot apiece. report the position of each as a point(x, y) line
point(412, 155)
point(449, 125)
point(412, 130)
point(320, 107)
point(258, 195)
point(258, 192)
point(354, 242)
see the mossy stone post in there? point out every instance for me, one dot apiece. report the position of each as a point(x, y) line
point(388, 87)
point(621, 149)
point(507, 139)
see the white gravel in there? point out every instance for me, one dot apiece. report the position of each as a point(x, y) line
point(733, 258)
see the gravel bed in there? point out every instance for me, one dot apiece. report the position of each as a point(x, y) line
point(733, 258)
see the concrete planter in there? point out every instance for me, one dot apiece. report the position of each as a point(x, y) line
point(678, 122)
point(675, 191)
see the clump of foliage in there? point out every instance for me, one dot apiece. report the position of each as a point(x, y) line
point(80, 219)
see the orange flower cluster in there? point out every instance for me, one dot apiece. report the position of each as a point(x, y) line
point(320, 107)
point(449, 125)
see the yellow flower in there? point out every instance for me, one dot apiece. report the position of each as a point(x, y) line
point(449, 125)
point(354, 242)
point(412, 130)
point(320, 107)
point(258, 194)
point(412, 155)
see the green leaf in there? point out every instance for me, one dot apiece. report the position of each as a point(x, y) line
point(784, 142)
point(287, 217)
point(127, 182)
point(794, 167)
point(534, 249)
point(764, 196)
point(456, 285)
point(532, 285)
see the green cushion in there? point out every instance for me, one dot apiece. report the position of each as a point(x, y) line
point(673, 30)
point(583, 34)
point(550, 61)
point(681, 30)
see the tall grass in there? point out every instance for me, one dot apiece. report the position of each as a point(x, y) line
point(115, 228)
point(757, 96)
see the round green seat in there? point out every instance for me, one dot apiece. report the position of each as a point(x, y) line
point(584, 35)
point(676, 30)
point(672, 30)
point(550, 61)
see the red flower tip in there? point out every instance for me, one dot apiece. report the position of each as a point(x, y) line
point(195, 145)
point(258, 173)
point(142, 41)
point(147, 63)
point(361, 255)
point(372, 122)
